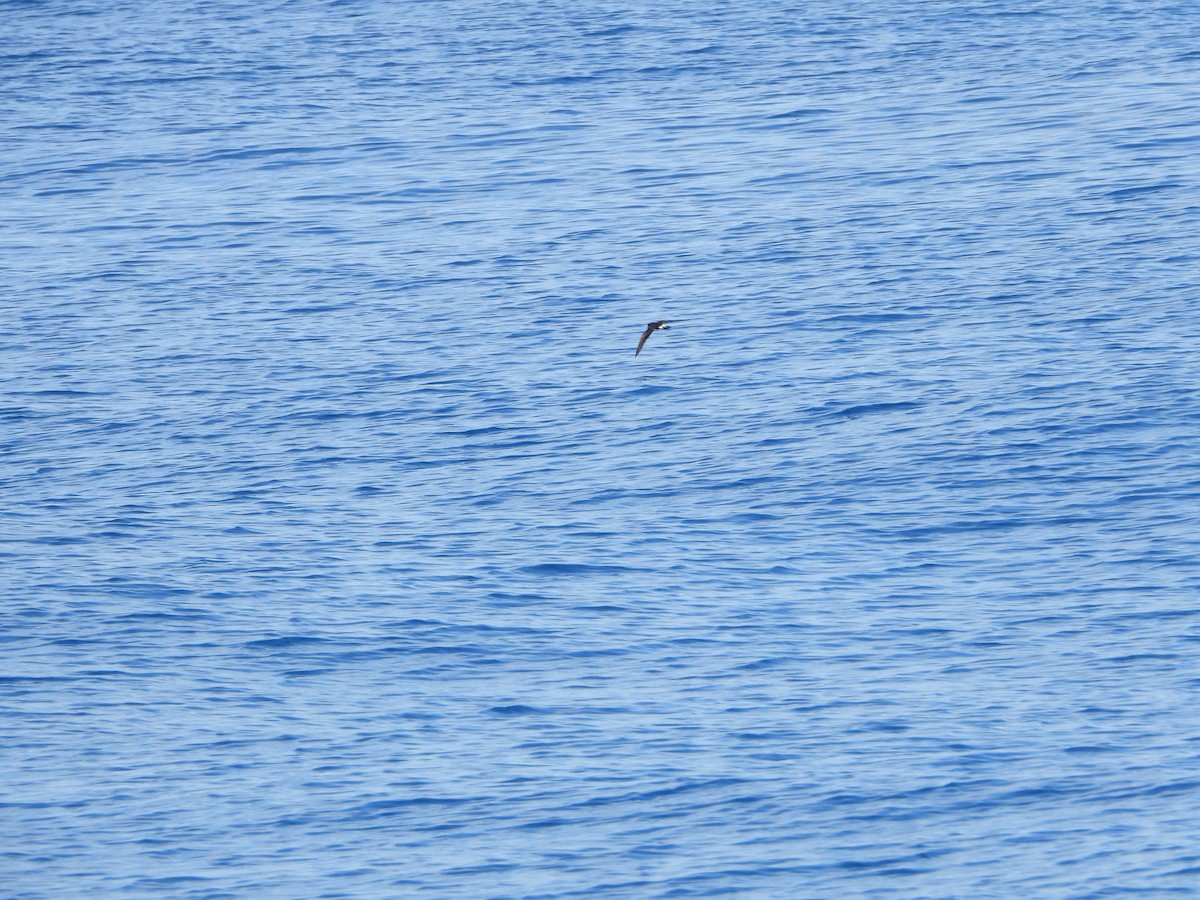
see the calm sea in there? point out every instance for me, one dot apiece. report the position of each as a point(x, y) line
point(347, 550)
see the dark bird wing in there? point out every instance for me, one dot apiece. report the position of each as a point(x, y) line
point(645, 334)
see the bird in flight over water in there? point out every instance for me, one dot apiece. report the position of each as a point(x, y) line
point(650, 329)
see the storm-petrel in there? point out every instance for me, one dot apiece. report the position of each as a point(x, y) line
point(650, 329)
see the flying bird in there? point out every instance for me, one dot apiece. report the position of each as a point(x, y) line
point(650, 329)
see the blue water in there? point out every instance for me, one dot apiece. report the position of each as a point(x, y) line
point(348, 551)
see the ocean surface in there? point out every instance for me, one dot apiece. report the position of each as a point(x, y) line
point(347, 550)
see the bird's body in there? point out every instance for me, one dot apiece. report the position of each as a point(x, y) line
point(650, 329)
